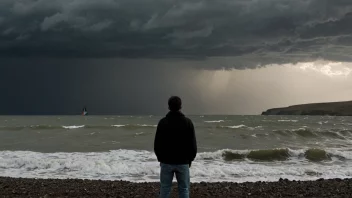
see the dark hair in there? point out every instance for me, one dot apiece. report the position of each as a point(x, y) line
point(175, 103)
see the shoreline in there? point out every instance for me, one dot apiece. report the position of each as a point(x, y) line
point(25, 187)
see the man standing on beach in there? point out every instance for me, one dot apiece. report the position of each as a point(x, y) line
point(175, 147)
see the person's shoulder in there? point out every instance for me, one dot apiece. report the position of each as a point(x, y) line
point(162, 120)
point(188, 119)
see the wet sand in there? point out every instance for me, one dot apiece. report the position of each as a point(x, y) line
point(18, 187)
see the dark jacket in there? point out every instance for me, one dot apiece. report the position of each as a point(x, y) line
point(175, 139)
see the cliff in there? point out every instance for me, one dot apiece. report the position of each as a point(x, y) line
point(331, 109)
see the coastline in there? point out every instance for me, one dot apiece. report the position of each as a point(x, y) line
point(23, 187)
point(314, 109)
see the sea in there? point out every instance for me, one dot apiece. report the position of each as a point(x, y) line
point(230, 148)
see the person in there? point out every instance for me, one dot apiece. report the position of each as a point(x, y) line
point(175, 147)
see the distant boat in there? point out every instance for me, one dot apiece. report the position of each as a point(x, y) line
point(84, 111)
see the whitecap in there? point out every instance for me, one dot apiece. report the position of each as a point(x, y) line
point(142, 166)
point(118, 125)
point(73, 127)
point(214, 121)
point(147, 125)
point(236, 126)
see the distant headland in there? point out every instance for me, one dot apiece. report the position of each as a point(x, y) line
point(329, 109)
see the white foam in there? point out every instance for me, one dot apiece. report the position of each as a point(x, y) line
point(73, 127)
point(214, 121)
point(254, 128)
point(140, 166)
point(346, 153)
point(287, 120)
point(236, 126)
point(321, 122)
point(141, 125)
point(147, 125)
point(299, 129)
point(118, 125)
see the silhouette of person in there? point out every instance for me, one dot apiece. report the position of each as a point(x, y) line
point(175, 147)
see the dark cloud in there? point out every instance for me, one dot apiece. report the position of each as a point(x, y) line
point(262, 32)
point(129, 56)
point(109, 86)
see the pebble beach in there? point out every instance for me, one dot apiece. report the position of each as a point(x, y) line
point(45, 188)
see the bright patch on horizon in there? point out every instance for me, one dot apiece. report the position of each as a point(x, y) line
point(331, 69)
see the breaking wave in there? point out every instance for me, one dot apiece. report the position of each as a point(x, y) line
point(309, 133)
point(214, 121)
point(70, 127)
point(73, 127)
point(33, 127)
point(134, 126)
point(287, 120)
point(221, 165)
point(270, 155)
point(235, 126)
point(304, 132)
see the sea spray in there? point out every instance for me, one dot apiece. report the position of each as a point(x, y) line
point(136, 166)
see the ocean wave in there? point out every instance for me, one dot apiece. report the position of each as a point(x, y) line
point(135, 126)
point(345, 132)
point(73, 127)
point(214, 121)
point(124, 126)
point(241, 126)
point(310, 133)
point(235, 126)
point(304, 133)
point(33, 127)
point(321, 122)
point(287, 120)
point(70, 127)
point(281, 154)
point(118, 125)
point(139, 166)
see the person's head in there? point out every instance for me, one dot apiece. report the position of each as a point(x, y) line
point(175, 103)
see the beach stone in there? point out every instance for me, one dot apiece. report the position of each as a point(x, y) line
point(203, 183)
point(86, 188)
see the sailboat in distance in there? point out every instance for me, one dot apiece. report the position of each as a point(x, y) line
point(84, 111)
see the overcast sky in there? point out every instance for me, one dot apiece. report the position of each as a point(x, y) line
point(129, 56)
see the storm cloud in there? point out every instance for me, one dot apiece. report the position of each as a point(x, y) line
point(129, 56)
point(106, 86)
point(251, 32)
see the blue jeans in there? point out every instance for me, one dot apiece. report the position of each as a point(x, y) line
point(183, 180)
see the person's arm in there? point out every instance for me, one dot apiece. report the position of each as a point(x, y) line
point(193, 141)
point(157, 141)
